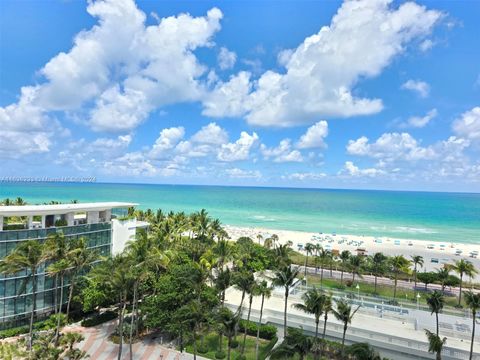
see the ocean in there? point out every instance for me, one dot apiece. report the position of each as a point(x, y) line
point(443, 217)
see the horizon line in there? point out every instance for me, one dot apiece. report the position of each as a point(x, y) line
point(247, 186)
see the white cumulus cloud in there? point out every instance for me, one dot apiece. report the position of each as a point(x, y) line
point(240, 149)
point(226, 58)
point(421, 121)
point(468, 124)
point(315, 136)
point(352, 170)
point(122, 67)
point(421, 88)
point(281, 153)
point(243, 174)
point(320, 76)
point(390, 147)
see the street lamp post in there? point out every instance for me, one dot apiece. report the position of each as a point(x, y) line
point(418, 301)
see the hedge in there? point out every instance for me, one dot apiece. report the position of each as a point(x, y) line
point(267, 332)
point(46, 324)
point(99, 319)
point(13, 332)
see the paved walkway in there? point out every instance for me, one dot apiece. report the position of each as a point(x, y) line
point(97, 345)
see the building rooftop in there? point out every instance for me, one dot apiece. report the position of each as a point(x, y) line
point(25, 210)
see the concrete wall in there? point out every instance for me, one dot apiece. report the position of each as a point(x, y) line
point(122, 232)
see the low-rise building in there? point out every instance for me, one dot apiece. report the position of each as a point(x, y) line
point(105, 225)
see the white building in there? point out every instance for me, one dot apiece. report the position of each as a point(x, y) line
point(106, 226)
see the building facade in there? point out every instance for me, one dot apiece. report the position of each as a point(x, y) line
point(105, 226)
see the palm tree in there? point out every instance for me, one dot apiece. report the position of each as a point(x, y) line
point(80, 258)
point(317, 249)
point(356, 262)
point(27, 256)
point(309, 248)
point(56, 248)
point(417, 260)
point(223, 249)
point(116, 276)
point(195, 316)
point(58, 270)
point(252, 293)
point(243, 282)
point(435, 302)
point(473, 302)
point(144, 255)
point(294, 343)
point(463, 267)
point(313, 301)
point(377, 262)
point(398, 264)
point(344, 314)
point(344, 257)
point(363, 351)
point(282, 255)
point(285, 277)
point(264, 290)
point(443, 275)
point(268, 243)
point(259, 238)
point(327, 307)
point(324, 255)
point(435, 344)
point(222, 283)
point(229, 323)
point(275, 239)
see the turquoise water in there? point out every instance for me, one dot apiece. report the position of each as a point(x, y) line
point(416, 215)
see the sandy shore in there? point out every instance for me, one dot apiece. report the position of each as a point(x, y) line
point(431, 251)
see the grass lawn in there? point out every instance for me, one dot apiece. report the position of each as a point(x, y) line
point(211, 341)
point(382, 290)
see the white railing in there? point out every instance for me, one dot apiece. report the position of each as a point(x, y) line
point(388, 343)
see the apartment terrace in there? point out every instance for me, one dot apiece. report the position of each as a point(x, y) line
point(29, 217)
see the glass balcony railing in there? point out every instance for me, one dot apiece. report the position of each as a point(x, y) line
point(34, 234)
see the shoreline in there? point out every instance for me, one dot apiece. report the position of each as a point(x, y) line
point(443, 252)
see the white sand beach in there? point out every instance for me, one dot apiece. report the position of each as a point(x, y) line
point(435, 254)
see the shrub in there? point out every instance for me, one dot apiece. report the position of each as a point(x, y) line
point(234, 344)
point(51, 322)
point(220, 355)
point(99, 319)
point(240, 357)
point(348, 283)
point(267, 332)
point(61, 222)
point(202, 349)
point(13, 332)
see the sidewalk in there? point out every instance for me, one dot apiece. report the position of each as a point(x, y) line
point(98, 347)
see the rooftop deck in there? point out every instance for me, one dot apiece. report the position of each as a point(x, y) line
point(26, 210)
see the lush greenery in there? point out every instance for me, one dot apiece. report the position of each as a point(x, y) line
point(353, 267)
point(45, 346)
point(267, 332)
point(211, 347)
point(173, 278)
point(98, 319)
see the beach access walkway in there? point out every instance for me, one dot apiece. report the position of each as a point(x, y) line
point(97, 345)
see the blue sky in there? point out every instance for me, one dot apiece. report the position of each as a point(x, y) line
point(355, 94)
